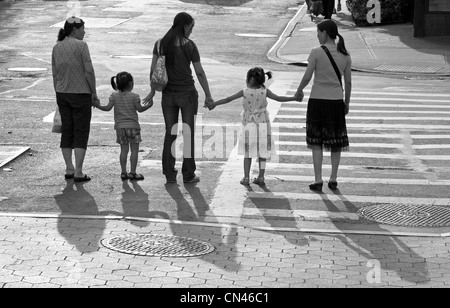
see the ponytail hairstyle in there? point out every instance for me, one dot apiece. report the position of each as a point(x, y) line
point(331, 28)
point(175, 37)
point(259, 76)
point(69, 25)
point(122, 82)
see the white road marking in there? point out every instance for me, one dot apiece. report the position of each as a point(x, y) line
point(369, 155)
point(299, 178)
point(375, 118)
point(380, 105)
point(365, 126)
point(356, 111)
point(351, 198)
point(374, 145)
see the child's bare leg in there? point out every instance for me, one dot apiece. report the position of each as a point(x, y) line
point(134, 156)
point(262, 167)
point(247, 166)
point(124, 148)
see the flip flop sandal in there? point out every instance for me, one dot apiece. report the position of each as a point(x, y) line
point(245, 182)
point(259, 181)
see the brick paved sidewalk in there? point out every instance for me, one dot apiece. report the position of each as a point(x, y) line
point(55, 252)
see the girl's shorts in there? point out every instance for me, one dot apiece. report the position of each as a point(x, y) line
point(128, 135)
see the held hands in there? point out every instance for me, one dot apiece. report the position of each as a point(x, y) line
point(299, 95)
point(149, 98)
point(95, 101)
point(209, 103)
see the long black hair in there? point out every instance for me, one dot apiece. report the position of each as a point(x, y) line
point(69, 25)
point(175, 36)
point(331, 28)
point(258, 74)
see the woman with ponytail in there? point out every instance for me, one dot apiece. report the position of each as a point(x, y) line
point(74, 83)
point(327, 105)
point(180, 94)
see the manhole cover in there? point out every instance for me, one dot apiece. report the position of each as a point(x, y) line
point(157, 245)
point(407, 215)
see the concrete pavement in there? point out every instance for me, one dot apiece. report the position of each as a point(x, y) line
point(62, 252)
point(390, 49)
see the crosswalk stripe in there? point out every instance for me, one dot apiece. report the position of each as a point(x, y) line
point(380, 126)
point(383, 136)
point(299, 178)
point(368, 92)
point(355, 111)
point(354, 145)
point(375, 118)
point(371, 105)
point(369, 155)
point(351, 198)
point(375, 145)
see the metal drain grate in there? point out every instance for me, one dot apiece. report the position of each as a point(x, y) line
point(407, 215)
point(157, 245)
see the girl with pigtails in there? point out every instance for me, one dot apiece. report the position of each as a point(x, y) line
point(126, 107)
point(255, 139)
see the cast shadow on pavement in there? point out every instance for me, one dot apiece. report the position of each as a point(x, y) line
point(225, 254)
point(277, 222)
point(76, 200)
point(390, 254)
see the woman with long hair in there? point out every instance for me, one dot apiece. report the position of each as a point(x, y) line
point(327, 106)
point(180, 94)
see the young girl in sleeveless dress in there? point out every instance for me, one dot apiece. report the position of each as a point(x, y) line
point(255, 139)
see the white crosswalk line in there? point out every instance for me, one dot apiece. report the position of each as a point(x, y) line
point(356, 111)
point(365, 126)
point(375, 118)
point(387, 181)
point(351, 198)
point(370, 155)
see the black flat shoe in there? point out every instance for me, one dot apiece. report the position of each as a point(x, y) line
point(69, 176)
point(332, 185)
point(316, 186)
point(83, 179)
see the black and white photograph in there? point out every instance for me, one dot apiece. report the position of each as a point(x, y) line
point(231, 151)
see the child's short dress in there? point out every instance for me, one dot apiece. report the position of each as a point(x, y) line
point(255, 137)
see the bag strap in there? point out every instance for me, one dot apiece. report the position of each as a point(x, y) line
point(158, 48)
point(336, 69)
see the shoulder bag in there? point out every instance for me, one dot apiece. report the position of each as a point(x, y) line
point(159, 78)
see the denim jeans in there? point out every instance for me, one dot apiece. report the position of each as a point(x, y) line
point(172, 103)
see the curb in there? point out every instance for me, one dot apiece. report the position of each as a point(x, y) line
point(273, 53)
point(223, 225)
